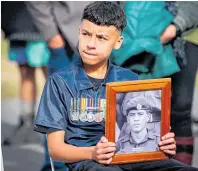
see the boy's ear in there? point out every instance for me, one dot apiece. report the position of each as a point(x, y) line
point(79, 30)
point(119, 42)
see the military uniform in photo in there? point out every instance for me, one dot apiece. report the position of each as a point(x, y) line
point(126, 143)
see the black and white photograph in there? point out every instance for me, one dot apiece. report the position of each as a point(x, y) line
point(138, 121)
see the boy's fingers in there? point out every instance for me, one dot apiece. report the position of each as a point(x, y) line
point(102, 146)
point(171, 152)
point(100, 151)
point(108, 150)
point(105, 161)
point(167, 141)
point(168, 147)
point(169, 135)
point(103, 139)
point(105, 156)
point(111, 144)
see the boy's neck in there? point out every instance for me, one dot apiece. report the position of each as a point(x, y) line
point(96, 71)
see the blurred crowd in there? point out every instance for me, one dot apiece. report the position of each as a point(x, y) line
point(161, 40)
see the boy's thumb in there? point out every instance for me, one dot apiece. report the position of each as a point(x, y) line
point(103, 139)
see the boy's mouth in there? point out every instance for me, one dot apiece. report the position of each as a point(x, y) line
point(88, 53)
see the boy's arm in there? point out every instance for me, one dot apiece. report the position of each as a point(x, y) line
point(60, 151)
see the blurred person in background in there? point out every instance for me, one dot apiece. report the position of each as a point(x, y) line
point(2, 167)
point(186, 50)
point(29, 51)
point(148, 51)
point(58, 22)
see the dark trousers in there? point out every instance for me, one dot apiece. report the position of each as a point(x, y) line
point(160, 165)
point(182, 95)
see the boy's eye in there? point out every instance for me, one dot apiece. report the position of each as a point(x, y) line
point(101, 38)
point(84, 34)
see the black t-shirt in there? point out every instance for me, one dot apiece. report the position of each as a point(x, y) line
point(95, 81)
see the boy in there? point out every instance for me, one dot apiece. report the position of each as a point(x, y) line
point(72, 97)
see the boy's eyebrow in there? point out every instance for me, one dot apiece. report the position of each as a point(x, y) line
point(99, 34)
point(103, 35)
point(86, 31)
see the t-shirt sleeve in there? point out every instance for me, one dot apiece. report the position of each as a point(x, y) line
point(52, 112)
point(44, 130)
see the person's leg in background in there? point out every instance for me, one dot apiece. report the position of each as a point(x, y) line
point(45, 71)
point(27, 106)
point(194, 108)
point(27, 94)
point(182, 95)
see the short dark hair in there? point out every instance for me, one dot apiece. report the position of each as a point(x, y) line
point(106, 14)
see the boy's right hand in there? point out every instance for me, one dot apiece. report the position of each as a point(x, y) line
point(104, 151)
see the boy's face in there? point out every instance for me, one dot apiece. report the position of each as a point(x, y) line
point(96, 42)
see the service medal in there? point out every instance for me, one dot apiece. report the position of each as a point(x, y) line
point(102, 114)
point(90, 117)
point(74, 116)
point(98, 117)
point(83, 117)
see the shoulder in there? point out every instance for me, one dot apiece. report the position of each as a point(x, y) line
point(63, 78)
point(127, 75)
point(65, 73)
point(153, 136)
point(124, 139)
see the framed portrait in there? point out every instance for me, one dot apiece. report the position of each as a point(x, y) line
point(138, 115)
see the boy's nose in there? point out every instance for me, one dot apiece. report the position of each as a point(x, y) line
point(92, 44)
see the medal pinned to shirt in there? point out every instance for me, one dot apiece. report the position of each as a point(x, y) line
point(83, 112)
point(98, 117)
point(74, 112)
point(103, 108)
point(90, 114)
point(88, 109)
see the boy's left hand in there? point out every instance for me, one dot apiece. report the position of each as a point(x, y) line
point(168, 144)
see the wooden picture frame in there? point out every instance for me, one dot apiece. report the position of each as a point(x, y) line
point(116, 89)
